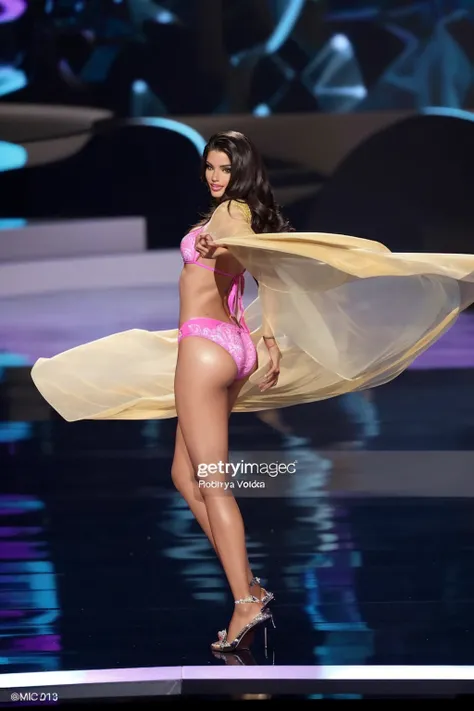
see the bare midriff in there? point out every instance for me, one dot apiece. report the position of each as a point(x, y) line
point(203, 294)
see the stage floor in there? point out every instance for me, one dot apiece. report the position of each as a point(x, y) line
point(109, 589)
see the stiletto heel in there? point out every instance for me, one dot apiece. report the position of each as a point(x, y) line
point(267, 598)
point(265, 635)
point(241, 640)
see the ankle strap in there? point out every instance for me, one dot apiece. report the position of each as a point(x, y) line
point(250, 598)
point(255, 581)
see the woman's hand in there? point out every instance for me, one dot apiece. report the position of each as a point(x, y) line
point(271, 378)
point(205, 246)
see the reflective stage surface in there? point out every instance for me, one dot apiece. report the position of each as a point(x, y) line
point(367, 546)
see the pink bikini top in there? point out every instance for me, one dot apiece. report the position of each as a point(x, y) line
point(237, 285)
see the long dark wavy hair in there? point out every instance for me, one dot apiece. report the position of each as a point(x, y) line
point(248, 181)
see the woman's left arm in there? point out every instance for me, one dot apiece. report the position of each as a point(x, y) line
point(206, 247)
point(229, 219)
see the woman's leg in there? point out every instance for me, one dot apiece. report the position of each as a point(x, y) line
point(184, 479)
point(204, 374)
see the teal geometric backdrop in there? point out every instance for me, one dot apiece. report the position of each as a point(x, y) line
point(140, 57)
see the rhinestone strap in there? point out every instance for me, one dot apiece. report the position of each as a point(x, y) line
point(250, 598)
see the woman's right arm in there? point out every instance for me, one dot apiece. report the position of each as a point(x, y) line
point(271, 377)
point(267, 333)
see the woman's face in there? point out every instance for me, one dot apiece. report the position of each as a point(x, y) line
point(218, 172)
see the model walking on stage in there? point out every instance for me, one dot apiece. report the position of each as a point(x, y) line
point(334, 314)
point(216, 356)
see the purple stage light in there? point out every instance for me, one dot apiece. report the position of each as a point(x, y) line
point(11, 10)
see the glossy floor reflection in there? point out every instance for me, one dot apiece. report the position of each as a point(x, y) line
point(367, 548)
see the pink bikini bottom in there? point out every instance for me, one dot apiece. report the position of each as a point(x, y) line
point(234, 339)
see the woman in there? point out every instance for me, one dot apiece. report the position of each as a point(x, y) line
point(216, 356)
point(334, 314)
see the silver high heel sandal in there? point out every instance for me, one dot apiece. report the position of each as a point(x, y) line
point(267, 595)
point(265, 600)
point(240, 641)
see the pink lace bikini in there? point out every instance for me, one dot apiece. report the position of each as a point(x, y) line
point(233, 337)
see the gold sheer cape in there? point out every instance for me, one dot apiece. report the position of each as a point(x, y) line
point(348, 315)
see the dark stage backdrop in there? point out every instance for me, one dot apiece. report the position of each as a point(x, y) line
point(223, 56)
point(149, 62)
